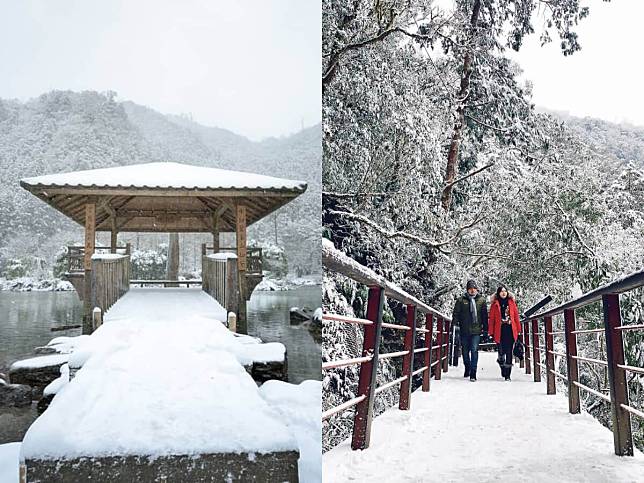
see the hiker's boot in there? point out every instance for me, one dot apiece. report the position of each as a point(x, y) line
point(467, 371)
point(472, 376)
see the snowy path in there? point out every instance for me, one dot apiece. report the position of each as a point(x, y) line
point(488, 431)
point(161, 376)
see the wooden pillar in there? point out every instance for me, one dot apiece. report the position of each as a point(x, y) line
point(536, 355)
point(573, 370)
point(551, 386)
point(240, 224)
point(113, 237)
point(215, 232)
point(427, 375)
point(368, 370)
point(90, 245)
point(621, 418)
point(408, 359)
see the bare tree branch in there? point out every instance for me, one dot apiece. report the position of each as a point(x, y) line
point(468, 175)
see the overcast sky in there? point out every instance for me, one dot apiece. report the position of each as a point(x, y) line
point(604, 79)
point(251, 66)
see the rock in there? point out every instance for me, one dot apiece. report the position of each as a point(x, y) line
point(44, 403)
point(45, 350)
point(265, 371)
point(15, 395)
point(299, 315)
point(37, 377)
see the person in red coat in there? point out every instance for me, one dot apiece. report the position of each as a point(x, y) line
point(504, 327)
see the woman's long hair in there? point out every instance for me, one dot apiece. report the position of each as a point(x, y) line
point(498, 292)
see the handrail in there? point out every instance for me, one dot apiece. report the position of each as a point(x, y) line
point(614, 360)
point(435, 344)
point(336, 261)
point(624, 284)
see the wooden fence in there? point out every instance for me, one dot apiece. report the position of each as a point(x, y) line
point(540, 333)
point(110, 279)
point(434, 326)
point(219, 277)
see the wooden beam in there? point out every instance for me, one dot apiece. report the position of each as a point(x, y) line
point(240, 229)
point(216, 219)
point(90, 244)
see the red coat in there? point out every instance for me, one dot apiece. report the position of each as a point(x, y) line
point(494, 321)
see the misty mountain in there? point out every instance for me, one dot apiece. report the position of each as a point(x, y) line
point(623, 142)
point(64, 131)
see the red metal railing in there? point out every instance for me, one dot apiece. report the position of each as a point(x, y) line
point(617, 369)
point(434, 349)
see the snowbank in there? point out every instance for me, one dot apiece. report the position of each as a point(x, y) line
point(28, 284)
point(41, 361)
point(64, 344)
point(57, 384)
point(161, 376)
point(299, 406)
point(9, 463)
point(107, 256)
point(279, 285)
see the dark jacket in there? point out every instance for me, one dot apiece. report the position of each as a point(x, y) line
point(462, 317)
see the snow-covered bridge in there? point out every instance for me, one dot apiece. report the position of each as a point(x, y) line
point(161, 389)
point(490, 430)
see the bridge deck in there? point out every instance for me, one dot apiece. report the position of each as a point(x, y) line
point(161, 376)
point(490, 430)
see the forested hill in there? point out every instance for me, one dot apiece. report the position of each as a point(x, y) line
point(623, 142)
point(66, 131)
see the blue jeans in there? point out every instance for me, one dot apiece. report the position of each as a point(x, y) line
point(470, 347)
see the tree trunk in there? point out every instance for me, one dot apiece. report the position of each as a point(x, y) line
point(173, 258)
point(461, 98)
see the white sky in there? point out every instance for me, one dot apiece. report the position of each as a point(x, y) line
point(251, 66)
point(604, 79)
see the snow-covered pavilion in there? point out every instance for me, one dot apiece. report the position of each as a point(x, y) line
point(164, 197)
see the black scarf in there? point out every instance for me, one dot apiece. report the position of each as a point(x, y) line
point(503, 303)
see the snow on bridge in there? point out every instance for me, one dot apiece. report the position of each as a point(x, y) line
point(161, 377)
point(490, 430)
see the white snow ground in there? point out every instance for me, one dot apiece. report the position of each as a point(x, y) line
point(161, 376)
point(9, 465)
point(487, 431)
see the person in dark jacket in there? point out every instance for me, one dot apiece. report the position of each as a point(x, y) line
point(470, 315)
point(505, 327)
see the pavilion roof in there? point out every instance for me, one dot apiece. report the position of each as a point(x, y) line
point(163, 197)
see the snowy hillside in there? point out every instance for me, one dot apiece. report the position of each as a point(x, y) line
point(67, 131)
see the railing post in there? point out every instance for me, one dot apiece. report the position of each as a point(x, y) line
point(439, 352)
point(551, 387)
point(447, 332)
point(616, 376)
point(408, 359)
point(368, 370)
point(526, 340)
point(427, 375)
point(536, 356)
point(571, 363)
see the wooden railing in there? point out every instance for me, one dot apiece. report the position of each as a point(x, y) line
point(542, 325)
point(76, 254)
point(254, 260)
point(434, 326)
point(110, 280)
point(219, 279)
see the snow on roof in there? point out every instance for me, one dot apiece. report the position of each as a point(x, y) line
point(165, 176)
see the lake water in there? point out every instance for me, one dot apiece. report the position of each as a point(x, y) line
point(26, 319)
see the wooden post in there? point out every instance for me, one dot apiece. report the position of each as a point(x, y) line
point(621, 418)
point(368, 370)
point(215, 232)
point(113, 235)
point(90, 245)
point(429, 325)
point(97, 318)
point(551, 387)
point(408, 359)
point(203, 249)
point(572, 368)
point(439, 349)
point(536, 356)
point(526, 339)
point(240, 222)
point(447, 334)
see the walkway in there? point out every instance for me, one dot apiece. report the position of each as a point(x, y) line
point(161, 376)
point(488, 431)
